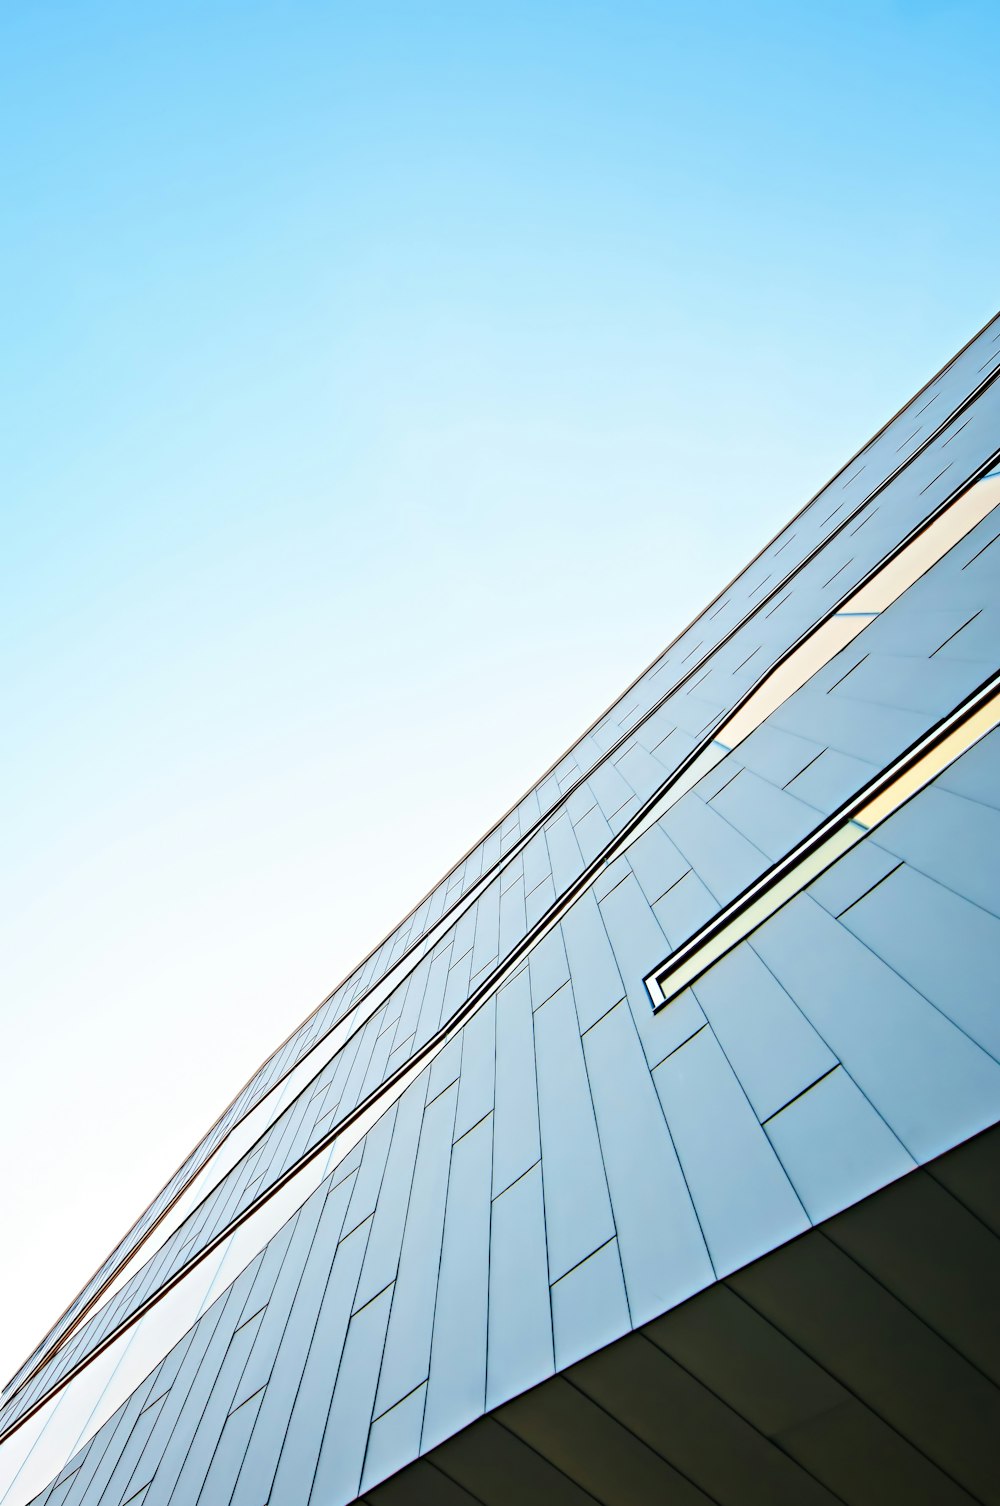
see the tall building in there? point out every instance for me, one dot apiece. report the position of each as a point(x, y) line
point(652, 1157)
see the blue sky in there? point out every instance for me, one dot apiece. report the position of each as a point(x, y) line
point(384, 385)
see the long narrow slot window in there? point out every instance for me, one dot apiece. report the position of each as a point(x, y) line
point(873, 805)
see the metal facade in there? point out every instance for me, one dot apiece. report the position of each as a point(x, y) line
point(489, 1155)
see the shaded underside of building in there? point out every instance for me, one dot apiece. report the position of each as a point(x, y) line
point(651, 1157)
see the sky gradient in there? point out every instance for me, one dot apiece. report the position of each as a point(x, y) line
point(385, 385)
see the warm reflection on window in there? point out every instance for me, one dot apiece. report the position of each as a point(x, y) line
point(854, 615)
point(811, 858)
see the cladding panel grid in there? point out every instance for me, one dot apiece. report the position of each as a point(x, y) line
point(879, 458)
point(601, 1162)
point(738, 801)
point(568, 1256)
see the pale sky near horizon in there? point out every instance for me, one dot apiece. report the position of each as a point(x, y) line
point(384, 385)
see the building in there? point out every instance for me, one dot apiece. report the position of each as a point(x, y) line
point(652, 1158)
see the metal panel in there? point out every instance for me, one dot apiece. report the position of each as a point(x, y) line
point(535, 859)
point(446, 1066)
point(610, 788)
point(338, 1472)
point(744, 1201)
point(687, 905)
point(519, 1347)
point(369, 1180)
point(723, 859)
point(663, 1252)
point(274, 1285)
point(288, 1360)
point(455, 994)
point(774, 754)
point(516, 1129)
point(769, 1043)
point(538, 901)
point(834, 1146)
point(589, 1307)
point(593, 834)
point(122, 1483)
point(457, 1385)
point(943, 945)
point(772, 819)
point(193, 1400)
point(299, 1449)
point(831, 779)
point(433, 999)
point(640, 770)
point(564, 852)
point(639, 943)
point(92, 1466)
point(475, 1088)
point(484, 953)
point(394, 1438)
point(406, 1361)
point(548, 966)
point(952, 839)
point(512, 917)
point(577, 1208)
point(927, 1079)
point(228, 1457)
point(610, 876)
point(976, 775)
point(382, 1255)
point(859, 870)
point(656, 862)
point(597, 983)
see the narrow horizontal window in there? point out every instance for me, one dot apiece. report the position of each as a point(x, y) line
point(873, 805)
